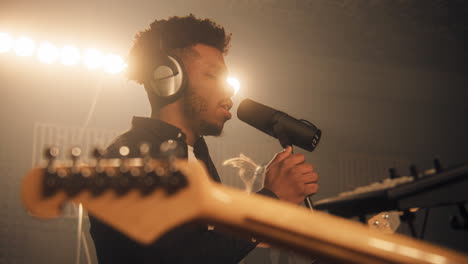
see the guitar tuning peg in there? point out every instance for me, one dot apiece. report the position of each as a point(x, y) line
point(73, 182)
point(171, 149)
point(51, 153)
point(145, 149)
point(123, 180)
point(168, 146)
point(99, 182)
point(146, 157)
point(75, 154)
point(52, 179)
point(124, 151)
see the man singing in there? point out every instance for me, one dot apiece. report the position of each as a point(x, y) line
point(180, 62)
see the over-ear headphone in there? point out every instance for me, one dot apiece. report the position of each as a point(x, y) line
point(168, 78)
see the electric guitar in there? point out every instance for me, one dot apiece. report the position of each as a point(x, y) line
point(144, 198)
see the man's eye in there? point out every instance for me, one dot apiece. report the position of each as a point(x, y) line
point(211, 76)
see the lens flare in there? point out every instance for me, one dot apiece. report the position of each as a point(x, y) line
point(113, 64)
point(24, 46)
point(70, 55)
point(93, 59)
point(234, 83)
point(6, 42)
point(47, 53)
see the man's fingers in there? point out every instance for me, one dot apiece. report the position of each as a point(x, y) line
point(293, 160)
point(303, 169)
point(311, 177)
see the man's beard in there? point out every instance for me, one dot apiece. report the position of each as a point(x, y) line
point(207, 129)
point(194, 106)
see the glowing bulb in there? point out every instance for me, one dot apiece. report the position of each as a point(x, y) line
point(47, 53)
point(114, 64)
point(93, 59)
point(234, 83)
point(6, 42)
point(24, 46)
point(70, 55)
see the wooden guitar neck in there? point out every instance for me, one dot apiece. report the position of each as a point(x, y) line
point(190, 195)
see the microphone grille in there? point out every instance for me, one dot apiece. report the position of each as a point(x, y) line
point(256, 114)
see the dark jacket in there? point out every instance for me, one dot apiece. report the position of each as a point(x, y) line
point(185, 244)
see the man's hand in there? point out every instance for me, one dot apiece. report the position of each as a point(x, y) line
point(289, 177)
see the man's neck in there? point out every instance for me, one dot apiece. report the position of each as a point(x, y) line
point(174, 114)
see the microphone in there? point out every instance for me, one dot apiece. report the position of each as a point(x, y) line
point(287, 129)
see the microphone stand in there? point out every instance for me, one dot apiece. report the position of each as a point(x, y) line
point(284, 140)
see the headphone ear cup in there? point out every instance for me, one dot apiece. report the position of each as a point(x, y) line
point(167, 80)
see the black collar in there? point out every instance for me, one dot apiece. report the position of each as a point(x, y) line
point(164, 130)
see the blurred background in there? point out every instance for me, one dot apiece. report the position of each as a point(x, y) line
point(386, 81)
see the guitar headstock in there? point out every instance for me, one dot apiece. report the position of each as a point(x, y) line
point(123, 192)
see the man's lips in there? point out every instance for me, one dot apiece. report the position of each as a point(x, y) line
point(226, 105)
point(226, 113)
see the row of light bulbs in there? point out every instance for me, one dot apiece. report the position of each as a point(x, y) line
point(48, 53)
point(70, 55)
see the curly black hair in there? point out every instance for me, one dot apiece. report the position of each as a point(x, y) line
point(173, 34)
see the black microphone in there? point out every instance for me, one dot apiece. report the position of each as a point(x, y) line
point(287, 129)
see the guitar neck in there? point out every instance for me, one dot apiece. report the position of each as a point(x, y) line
point(318, 234)
point(145, 217)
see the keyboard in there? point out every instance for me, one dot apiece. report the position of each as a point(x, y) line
point(402, 193)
